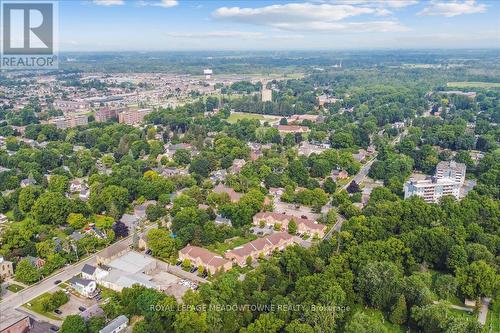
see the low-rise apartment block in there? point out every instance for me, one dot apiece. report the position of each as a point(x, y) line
point(304, 226)
point(199, 256)
point(260, 247)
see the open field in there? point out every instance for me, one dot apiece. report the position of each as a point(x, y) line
point(36, 306)
point(493, 321)
point(391, 328)
point(474, 84)
point(234, 117)
point(15, 288)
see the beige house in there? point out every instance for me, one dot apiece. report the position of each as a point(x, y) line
point(304, 226)
point(199, 256)
point(260, 247)
point(6, 268)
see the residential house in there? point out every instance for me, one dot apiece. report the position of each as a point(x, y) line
point(339, 174)
point(237, 165)
point(75, 186)
point(218, 175)
point(27, 182)
point(84, 287)
point(233, 195)
point(131, 221)
point(84, 194)
point(220, 220)
point(6, 268)
point(116, 325)
point(171, 149)
point(199, 256)
point(37, 262)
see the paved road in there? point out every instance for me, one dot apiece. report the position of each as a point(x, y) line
point(8, 312)
point(483, 311)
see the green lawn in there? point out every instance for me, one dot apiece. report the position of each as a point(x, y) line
point(493, 320)
point(36, 306)
point(474, 84)
point(234, 117)
point(378, 314)
point(15, 288)
point(221, 248)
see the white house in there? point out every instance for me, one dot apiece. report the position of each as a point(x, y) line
point(84, 287)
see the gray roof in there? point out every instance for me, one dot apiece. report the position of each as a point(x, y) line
point(129, 220)
point(76, 235)
point(80, 281)
point(88, 269)
point(115, 323)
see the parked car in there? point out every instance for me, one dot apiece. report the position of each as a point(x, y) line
point(57, 281)
point(148, 252)
point(58, 311)
point(81, 308)
point(54, 328)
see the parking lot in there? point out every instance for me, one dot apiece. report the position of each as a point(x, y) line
point(72, 307)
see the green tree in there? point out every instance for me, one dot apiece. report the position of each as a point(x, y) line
point(161, 243)
point(190, 322)
point(399, 312)
point(477, 279)
point(26, 272)
point(73, 324)
point(51, 208)
point(379, 282)
point(362, 323)
point(292, 227)
point(76, 220)
point(266, 323)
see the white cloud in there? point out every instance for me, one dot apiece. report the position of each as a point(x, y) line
point(109, 2)
point(161, 3)
point(292, 12)
point(381, 3)
point(217, 34)
point(370, 26)
point(309, 17)
point(227, 35)
point(453, 8)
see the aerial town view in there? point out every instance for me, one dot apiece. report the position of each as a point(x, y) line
point(273, 166)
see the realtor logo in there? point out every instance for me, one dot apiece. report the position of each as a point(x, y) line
point(28, 32)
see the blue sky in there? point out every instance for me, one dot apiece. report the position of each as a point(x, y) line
point(168, 25)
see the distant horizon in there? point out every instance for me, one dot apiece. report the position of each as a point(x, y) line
point(181, 25)
point(285, 50)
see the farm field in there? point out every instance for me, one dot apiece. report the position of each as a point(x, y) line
point(474, 84)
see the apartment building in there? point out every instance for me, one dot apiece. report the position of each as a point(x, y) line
point(447, 180)
point(304, 226)
point(70, 121)
point(199, 256)
point(106, 114)
point(133, 117)
point(265, 246)
point(451, 170)
point(432, 189)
